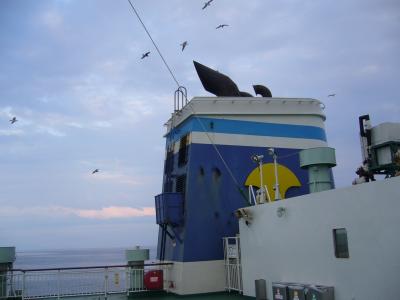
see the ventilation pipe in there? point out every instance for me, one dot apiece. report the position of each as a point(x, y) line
point(136, 258)
point(7, 258)
point(318, 162)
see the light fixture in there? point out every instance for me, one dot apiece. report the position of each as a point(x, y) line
point(271, 151)
point(259, 160)
point(281, 212)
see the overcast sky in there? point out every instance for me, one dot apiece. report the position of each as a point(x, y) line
point(70, 71)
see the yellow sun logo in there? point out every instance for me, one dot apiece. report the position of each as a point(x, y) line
point(286, 179)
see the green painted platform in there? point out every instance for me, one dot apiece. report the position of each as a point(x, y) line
point(154, 295)
point(170, 296)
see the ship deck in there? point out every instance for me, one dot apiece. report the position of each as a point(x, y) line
point(208, 296)
point(159, 295)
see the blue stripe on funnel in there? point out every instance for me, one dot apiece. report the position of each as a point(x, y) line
point(247, 128)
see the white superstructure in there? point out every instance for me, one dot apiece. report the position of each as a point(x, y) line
point(298, 246)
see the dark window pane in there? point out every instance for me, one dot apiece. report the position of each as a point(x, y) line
point(340, 242)
point(169, 162)
point(168, 185)
point(183, 150)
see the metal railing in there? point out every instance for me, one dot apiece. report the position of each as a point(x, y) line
point(233, 273)
point(180, 98)
point(233, 265)
point(78, 281)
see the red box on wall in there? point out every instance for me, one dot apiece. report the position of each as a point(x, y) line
point(153, 280)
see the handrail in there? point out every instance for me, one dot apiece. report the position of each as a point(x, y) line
point(180, 98)
point(89, 267)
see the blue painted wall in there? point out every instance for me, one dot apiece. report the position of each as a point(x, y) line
point(212, 197)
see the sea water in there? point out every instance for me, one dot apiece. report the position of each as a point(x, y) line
point(40, 259)
point(40, 283)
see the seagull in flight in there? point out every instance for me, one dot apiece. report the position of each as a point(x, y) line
point(332, 95)
point(207, 3)
point(184, 44)
point(144, 55)
point(221, 26)
point(13, 120)
point(96, 171)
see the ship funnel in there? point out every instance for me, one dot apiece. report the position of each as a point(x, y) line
point(262, 90)
point(318, 162)
point(216, 82)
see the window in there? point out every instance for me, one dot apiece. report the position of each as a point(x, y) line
point(201, 171)
point(169, 161)
point(168, 185)
point(340, 243)
point(216, 174)
point(183, 150)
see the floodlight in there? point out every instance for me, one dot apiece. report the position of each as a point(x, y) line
point(257, 158)
point(271, 151)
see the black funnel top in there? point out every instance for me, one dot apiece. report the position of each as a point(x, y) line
point(215, 82)
point(262, 90)
point(245, 94)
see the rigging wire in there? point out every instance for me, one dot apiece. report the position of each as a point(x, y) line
point(154, 43)
point(191, 107)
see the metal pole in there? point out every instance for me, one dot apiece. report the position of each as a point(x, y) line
point(261, 182)
point(127, 280)
point(277, 193)
point(227, 268)
point(58, 284)
point(267, 194)
point(23, 285)
point(105, 283)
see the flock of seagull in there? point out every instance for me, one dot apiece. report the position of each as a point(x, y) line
point(146, 54)
point(185, 43)
point(220, 26)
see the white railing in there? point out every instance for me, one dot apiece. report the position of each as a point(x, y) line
point(233, 265)
point(64, 282)
point(233, 277)
point(260, 196)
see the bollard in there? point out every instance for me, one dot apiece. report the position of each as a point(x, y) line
point(261, 289)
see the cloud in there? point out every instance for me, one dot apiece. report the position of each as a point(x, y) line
point(52, 19)
point(102, 124)
point(11, 132)
point(390, 108)
point(6, 111)
point(116, 212)
point(50, 130)
point(115, 177)
point(34, 122)
point(110, 212)
point(74, 124)
point(47, 123)
point(107, 96)
point(370, 69)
